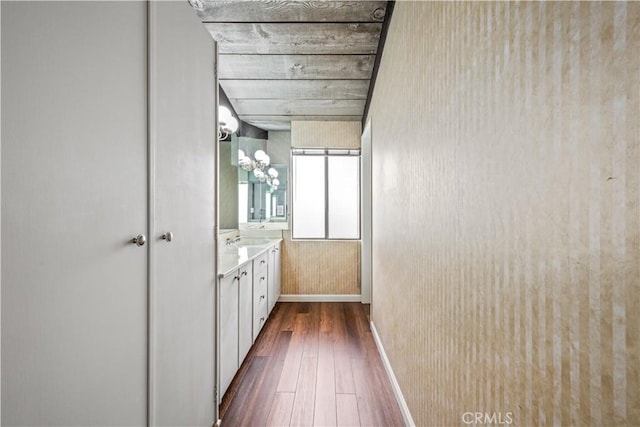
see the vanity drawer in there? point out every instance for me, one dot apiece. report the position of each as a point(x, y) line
point(260, 275)
point(261, 264)
point(260, 279)
point(259, 312)
point(260, 290)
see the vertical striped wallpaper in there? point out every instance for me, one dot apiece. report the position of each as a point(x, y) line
point(506, 216)
point(321, 267)
point(325, 134)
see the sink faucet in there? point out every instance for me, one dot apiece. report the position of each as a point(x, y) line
point(231, 241)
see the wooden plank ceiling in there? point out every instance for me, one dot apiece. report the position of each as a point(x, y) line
point(294, 60)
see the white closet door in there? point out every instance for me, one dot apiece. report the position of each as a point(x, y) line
point(182, 107)
point(74, 193)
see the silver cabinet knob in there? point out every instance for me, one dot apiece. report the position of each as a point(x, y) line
point(139, 240)
point(168, 236)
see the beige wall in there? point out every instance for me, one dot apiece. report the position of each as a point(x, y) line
point(506, 210)
point(322, 267)
point(325, 134)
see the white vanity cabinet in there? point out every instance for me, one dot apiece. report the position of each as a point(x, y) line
point(235, 322)
point(260, 292)
point(274, 276)
point(249, 286)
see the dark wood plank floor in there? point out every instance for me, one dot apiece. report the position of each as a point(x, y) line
point(313, 364)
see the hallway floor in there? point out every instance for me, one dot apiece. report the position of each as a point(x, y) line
point(313, 364)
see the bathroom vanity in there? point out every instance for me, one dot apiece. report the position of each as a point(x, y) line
point(248, 288)
point(252, 201)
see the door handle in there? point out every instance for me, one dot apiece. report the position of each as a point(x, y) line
point(139, 240)
point(168, 236)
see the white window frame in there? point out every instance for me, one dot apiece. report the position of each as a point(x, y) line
point(326, 153)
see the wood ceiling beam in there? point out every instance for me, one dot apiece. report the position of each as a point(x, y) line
point(286, 10)
point(295, 66)
point(295, 38)
point(309, 117)
point(271, 125)
point(347, 107)
point(296, 89)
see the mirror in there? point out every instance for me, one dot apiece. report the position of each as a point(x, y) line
point(259, 202)
point(245, 200)
point(227, 188)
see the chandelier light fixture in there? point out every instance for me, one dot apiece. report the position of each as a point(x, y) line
point(258, 166)
point(227, 124)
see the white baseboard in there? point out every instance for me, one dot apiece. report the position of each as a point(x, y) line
point(408, 419)
point(320, 298)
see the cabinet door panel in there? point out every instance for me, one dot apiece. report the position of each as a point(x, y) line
point(74, 194)
point(245, 313)
point(277, 273)
point(273, 282)
point(260, 316)
point(182, 113)
point(228, 307)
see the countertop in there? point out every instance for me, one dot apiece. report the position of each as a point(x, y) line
point(232, 257)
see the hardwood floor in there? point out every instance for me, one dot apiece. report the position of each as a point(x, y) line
point(313, 364)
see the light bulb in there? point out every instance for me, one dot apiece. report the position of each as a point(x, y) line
point(260, 155)
point(232, 124)
point(275, 182)
point(272, 172)
point(241, 154)
point(224, 115)
point(266, 160)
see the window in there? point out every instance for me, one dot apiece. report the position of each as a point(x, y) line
point(326, 194)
